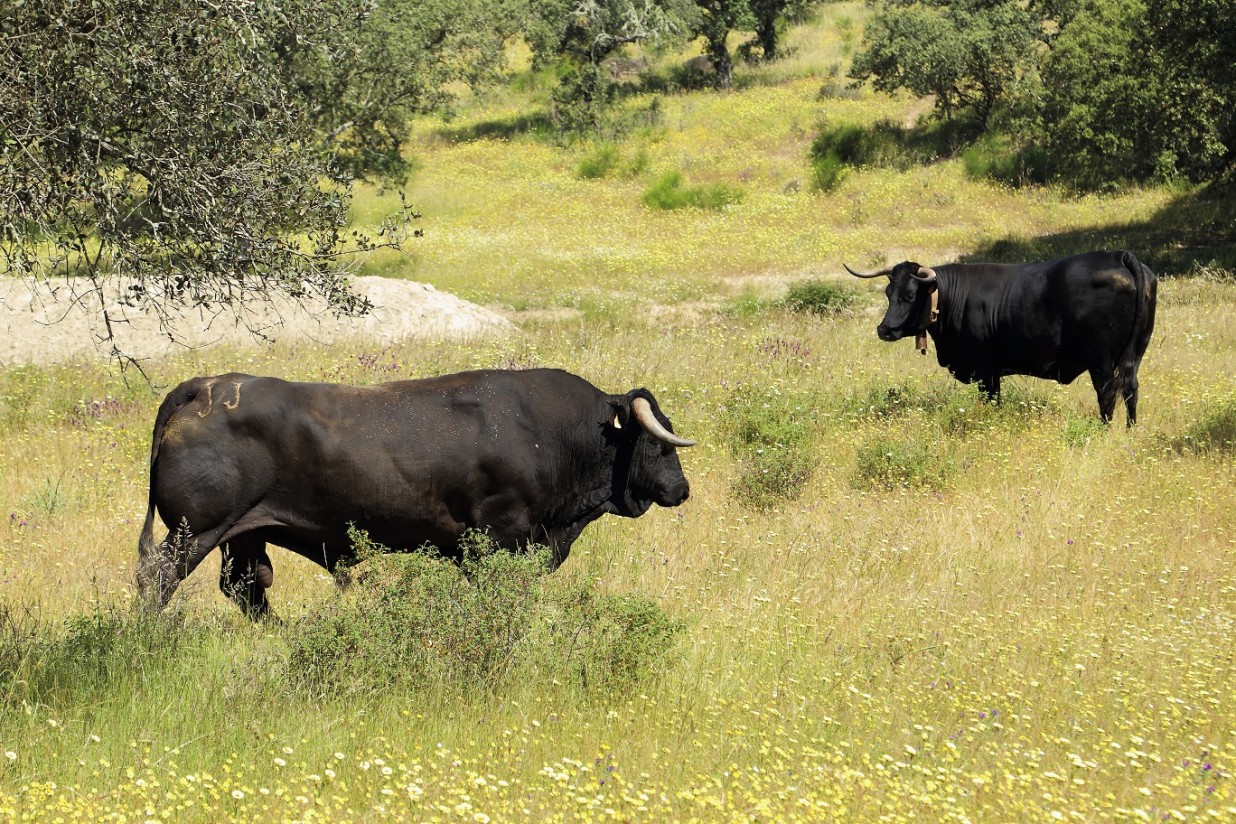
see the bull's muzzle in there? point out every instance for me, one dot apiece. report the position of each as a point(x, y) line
point(677, 495)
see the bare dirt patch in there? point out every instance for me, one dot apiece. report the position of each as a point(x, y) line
point(47, 325)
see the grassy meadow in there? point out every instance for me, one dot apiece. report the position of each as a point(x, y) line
point(889, 601)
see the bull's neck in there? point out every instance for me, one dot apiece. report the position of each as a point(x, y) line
point(951, 298)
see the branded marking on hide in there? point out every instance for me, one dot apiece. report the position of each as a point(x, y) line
point(210, 401)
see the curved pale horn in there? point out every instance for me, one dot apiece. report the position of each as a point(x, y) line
point(883, 273)
point(642, 409)
point(924, 274)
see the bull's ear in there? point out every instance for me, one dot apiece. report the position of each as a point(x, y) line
point(620, 411)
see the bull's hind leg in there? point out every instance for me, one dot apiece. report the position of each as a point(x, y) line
point(1128, 387)
point(1106, 386)
point(163, 566)
point(245, 575)
point(989, 385)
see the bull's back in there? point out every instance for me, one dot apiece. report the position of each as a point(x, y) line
point(398, 452)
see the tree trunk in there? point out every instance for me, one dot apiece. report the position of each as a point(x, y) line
point(722, 63)
point(766, 33)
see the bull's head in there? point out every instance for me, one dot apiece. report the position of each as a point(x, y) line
point(912, 299)
point(647, 469)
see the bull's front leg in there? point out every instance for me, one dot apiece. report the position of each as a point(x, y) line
point(560, 539)
point(245, 574)
point(989, 385)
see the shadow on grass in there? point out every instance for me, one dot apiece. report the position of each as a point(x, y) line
point(529, 124)
point(1193, 230)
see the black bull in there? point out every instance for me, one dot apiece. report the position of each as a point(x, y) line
point(529, 456)
point(1086, 313)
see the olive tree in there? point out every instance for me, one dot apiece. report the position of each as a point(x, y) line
point(771, 17)
point(160, 155)
point(967, 53)
point(583, 33)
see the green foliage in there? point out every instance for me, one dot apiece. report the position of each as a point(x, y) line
point(393, 61)
point(418, 621)
point(767, 430)
point(747, 304)
point(772, 17)
point(169, 157)
point(889, 461)
point(968, 54)
point(670, 192)
point(827, 172)
point(599, 163)
point(582, 99)
point(1136, 90)
point(820, 297)
point(581, 34)
point(1091, 117)
point(715, 21)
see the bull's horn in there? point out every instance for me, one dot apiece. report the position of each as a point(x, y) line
point(924, 274)
point(879, 274)
point(642, 410)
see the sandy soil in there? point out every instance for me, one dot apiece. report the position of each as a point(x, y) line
point(48, 325)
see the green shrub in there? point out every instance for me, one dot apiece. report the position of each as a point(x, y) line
point(669, 192)
point(638, 164)
point(827, 172)
point(884, 144)
point(821, 297)
point(770, 476)
point(885, 462)
point(769, 434)
point(601, 162)
point(417, 620)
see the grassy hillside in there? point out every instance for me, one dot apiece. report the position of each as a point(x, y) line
point(894, 601)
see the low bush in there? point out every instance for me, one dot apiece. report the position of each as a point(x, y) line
point(828, 172)
point(599, 163)
point(887, 462)
point(884, 144)
point(820, 297)
point(417, 620)
point(769, 434)
point(670, 192)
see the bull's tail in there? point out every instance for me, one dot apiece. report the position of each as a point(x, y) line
point(1139, 336)
point(151, 565)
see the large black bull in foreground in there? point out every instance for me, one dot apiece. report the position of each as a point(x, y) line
point(533, 456)
point(1086, 313)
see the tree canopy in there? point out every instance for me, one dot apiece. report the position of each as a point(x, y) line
point(185, 153)
point(1110, 90)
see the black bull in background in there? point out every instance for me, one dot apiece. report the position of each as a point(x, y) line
point(531, 456)
point(1086, 313)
